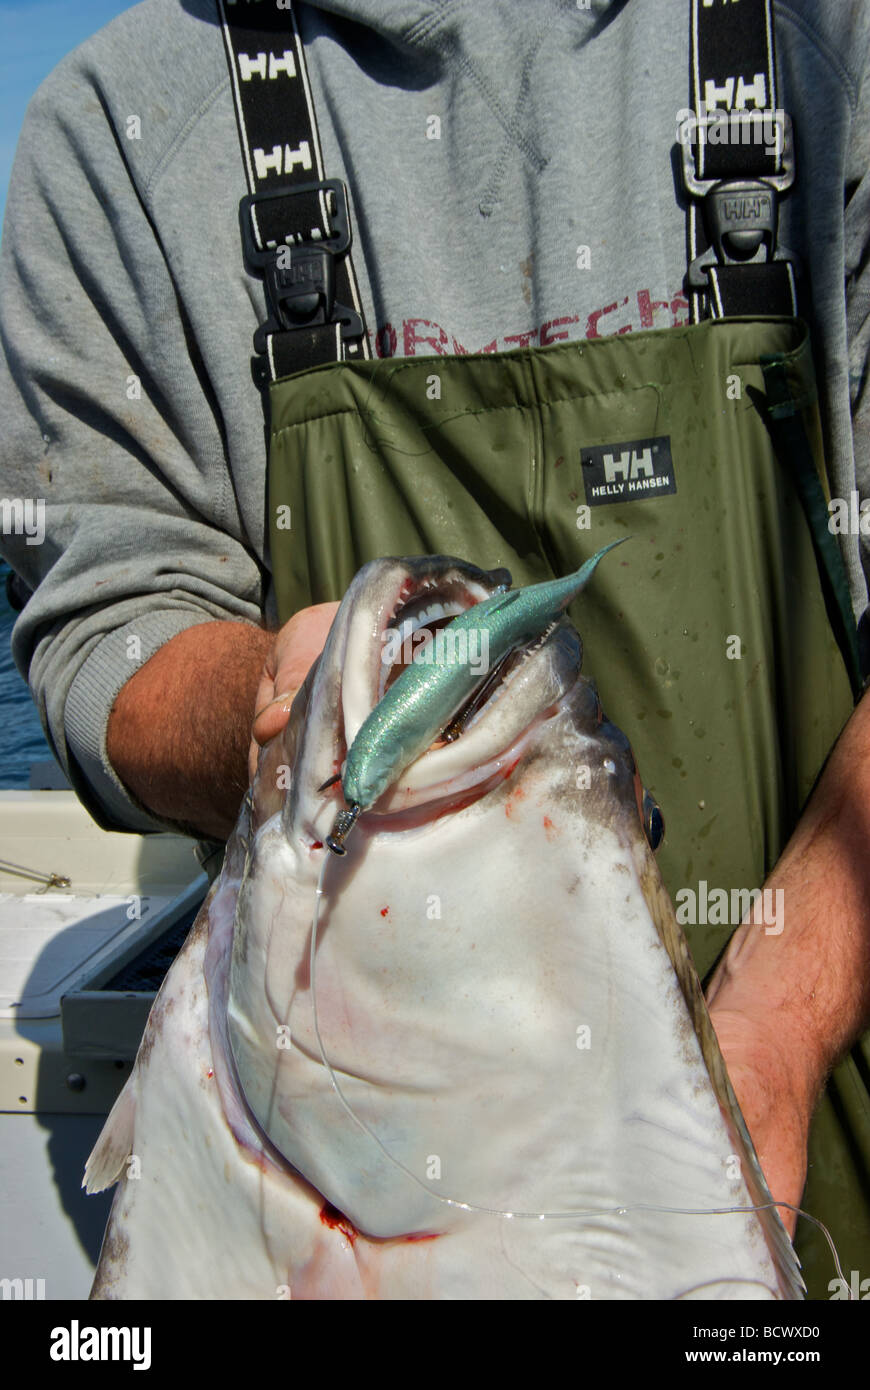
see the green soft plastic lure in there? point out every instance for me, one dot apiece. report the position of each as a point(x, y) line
point(427, 695)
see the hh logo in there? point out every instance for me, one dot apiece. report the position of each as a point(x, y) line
point(266, 65)
point(625, 472)
point(282, 159)
point(734, 91)
point(751, 209)
point(305, 272)
point(630, 464)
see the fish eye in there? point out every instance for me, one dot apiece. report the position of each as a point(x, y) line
point(653, 821)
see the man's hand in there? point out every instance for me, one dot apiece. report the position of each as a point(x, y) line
point(296, 648)
point(775, 1106)
point(787, 1005)
point(179, 734)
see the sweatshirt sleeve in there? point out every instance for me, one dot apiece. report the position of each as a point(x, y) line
point(120, 513)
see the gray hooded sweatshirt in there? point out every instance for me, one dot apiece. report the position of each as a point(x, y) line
point(121, 264)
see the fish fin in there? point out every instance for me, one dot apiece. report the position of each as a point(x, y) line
point(782, 1251)
point(330, 782)
point(505, 602)
point(115, 1144)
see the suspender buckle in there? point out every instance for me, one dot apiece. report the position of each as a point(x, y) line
point(300, 287)
point(298, 272)
point(740, 214)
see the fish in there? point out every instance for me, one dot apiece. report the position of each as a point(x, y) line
point(470, 1058)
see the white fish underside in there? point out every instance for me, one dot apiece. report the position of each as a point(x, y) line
point(455, 964)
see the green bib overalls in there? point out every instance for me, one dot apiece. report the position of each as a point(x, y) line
point(707, 633)
point(720, 636)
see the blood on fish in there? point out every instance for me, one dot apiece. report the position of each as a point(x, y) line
point(337, 1221)
point(317, 844)
point(423, 1235)
point(384, 911)
point(518, 792)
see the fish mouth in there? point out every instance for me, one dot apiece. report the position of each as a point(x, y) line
point(482, 741)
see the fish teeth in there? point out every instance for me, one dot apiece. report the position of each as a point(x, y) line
point(435, 611)
point(430, 614)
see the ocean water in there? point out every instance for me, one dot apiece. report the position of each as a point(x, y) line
point(21, 738)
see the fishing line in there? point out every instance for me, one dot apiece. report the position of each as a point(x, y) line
point(522, 1215)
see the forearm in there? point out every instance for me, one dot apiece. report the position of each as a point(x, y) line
point(806, 990)
point(179, 732)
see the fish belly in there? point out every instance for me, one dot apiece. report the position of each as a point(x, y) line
point(518, 1104)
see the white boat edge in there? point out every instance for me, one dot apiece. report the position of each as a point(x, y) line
point(124, 892)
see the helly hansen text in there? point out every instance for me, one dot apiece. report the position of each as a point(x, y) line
point(635, 468)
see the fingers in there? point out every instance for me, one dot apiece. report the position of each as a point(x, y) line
point(297, 646)
point(253, 756)
point(270, 720)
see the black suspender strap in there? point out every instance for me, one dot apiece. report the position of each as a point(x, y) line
point(295, 223)
point(737, 159)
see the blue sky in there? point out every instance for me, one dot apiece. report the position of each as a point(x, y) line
point(34, 36)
